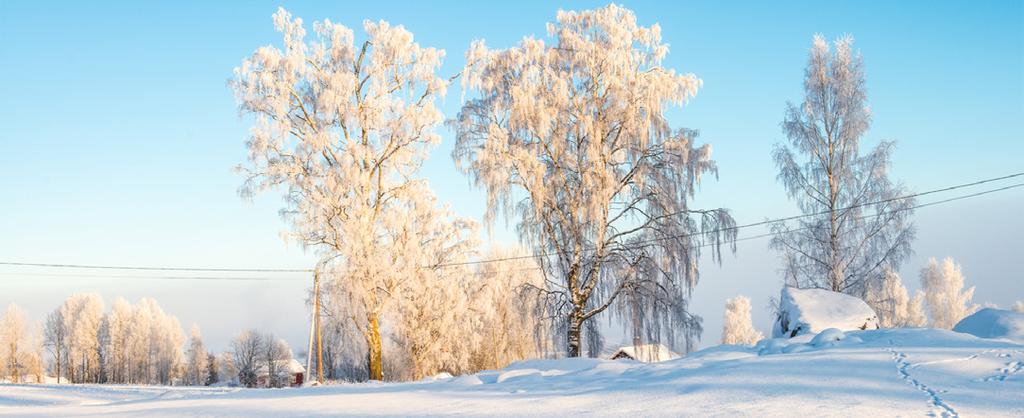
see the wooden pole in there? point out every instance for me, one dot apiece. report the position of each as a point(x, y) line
point(309, 351)
point(319, 341)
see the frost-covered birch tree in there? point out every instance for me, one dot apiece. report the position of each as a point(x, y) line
point(196, 359)
point(431, 313)
point(943, 286)
point(737, 328)
point(119, 323)
point(847, 241)
point(571, 137)
point(83, 316)
point(506, 313)
point(55, 339)
point(274, 353)
point(244, 357)
point(12, 343)
point(343, 127)
point(894, 307)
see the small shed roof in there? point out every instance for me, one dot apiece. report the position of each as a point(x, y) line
point(292, 366)
point(647, 353)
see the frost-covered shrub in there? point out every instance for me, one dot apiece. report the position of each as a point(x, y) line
point(943, 287)
point(894, 307)
point(737, 327)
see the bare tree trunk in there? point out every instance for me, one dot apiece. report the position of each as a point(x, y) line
point(375, 352)
point(573, 336)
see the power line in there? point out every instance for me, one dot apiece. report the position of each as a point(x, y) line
point(791, 218)
point(201, 278)
point(197, 269)
point(484, 261)
point(923, 205)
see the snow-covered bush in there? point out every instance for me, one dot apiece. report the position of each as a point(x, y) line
point(993, 323)
point(894, 307)
point(737, 327)
point(804, 311)
point(943, 287)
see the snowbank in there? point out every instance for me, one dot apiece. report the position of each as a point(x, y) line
point(993, 323)
point(809, 311)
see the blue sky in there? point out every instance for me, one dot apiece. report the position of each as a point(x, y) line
point(119, 135)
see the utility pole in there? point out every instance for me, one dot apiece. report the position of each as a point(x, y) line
point(319, 342)
point(314, 329)
point(309, 351)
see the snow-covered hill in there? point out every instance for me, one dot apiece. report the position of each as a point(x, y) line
point(910, 372)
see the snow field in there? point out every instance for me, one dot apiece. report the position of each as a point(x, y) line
point(905, 372)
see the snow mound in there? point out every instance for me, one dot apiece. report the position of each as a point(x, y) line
point(436, 377)
point(827, 336)
point(809, 311)
point(993, 323)
point(467, 380)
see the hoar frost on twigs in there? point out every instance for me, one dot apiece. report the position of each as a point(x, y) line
point(737, 327)
point(850, 241)
point(571, 137)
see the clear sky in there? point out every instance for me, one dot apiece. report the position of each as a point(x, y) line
point(119, 135)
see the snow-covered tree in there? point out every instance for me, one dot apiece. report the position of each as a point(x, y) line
point(227, 370)
point(889, 299)
point(343, 128)
point(504, 304)
point(167, 340)
point(848, 240)
point(140, 330)
point(245, 357)
point(55, 339)
point(197, 359)
point(943, 286)
point(212, 369)
point(274, 353)
point(432, 310)
point(83, 316)
point(140, 344)
point(737, 328)
point(571, 137)
point(119, 322)
point(32, 356)
point(12, 343)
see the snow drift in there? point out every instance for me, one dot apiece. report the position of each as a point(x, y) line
point(810, 311)
point(993, 323)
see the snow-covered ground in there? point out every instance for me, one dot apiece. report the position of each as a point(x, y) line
point(910, 372)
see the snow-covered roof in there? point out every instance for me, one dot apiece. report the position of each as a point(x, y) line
point(810, 311)
point(292, 366)
point(648, 353)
